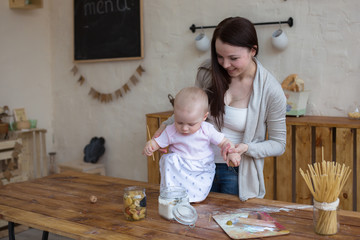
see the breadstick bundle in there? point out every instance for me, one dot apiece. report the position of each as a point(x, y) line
point(325, 181)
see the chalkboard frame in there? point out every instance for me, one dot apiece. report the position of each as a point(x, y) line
point(139, 52)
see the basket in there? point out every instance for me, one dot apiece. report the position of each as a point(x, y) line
point(22, 125)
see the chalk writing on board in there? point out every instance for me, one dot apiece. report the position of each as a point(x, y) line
point(108, 30)
point(105, 6)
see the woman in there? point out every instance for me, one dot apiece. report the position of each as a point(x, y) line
point(246, 102)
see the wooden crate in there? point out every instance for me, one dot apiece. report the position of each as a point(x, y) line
point(34, 152)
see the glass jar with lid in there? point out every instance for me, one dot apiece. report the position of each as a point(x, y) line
point(134, 203)
point(174, 204)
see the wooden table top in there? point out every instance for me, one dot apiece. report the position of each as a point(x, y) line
point(60, 204)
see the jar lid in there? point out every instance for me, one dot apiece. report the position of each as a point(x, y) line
point(173, 192)
point(185, 214)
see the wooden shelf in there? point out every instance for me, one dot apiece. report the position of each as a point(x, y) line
point(25, 4)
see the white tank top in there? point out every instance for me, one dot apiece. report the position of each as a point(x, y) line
point(234, 128)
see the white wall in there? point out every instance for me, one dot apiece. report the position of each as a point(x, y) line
point(322, 50)
point(25, 64)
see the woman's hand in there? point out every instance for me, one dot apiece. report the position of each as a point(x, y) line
point(239, 148)
point(233, 159)
point(158, 133)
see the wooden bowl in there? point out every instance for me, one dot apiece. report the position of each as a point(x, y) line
point(22, 125)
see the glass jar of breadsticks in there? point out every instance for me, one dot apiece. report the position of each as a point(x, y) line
point(325, 182)
point(134, 203)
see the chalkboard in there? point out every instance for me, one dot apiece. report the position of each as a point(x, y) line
point(106, 30)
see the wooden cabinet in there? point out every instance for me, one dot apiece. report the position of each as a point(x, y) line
point(25, 4)
point(308, 138)
point(311, 139)
point(153, 121)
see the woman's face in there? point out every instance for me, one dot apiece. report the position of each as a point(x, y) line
point(235, 60)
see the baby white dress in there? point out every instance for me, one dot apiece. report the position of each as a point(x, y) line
point(190, 163)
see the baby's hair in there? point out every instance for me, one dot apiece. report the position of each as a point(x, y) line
point(191, 96)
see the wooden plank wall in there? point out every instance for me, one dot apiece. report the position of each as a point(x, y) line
point(311, 139)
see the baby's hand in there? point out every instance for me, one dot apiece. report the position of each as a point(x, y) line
point(233, 159)
point(149, 148)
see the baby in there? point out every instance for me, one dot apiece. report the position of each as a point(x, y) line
point(190, 163)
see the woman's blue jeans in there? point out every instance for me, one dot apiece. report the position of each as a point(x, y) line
point(226, 179)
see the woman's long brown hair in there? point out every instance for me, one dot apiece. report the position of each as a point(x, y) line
point(235, 31)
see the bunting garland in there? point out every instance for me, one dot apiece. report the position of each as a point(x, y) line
point(118, 93)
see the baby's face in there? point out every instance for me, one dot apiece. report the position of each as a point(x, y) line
point(188, 122)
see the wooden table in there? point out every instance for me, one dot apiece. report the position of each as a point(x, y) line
point(60, 204)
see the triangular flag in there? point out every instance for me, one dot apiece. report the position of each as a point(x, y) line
point(81, 80)
point(74, 69)
point(134, 79)
point(95, 94)
point(140, 70)
point(91, 92)
point(118, 93)
point(109, 97)
point(102, 97)
point(126, 88)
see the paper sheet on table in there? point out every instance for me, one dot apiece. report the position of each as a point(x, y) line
point(250, 225)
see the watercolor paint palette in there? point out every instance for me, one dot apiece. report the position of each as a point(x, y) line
point(250, 225)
